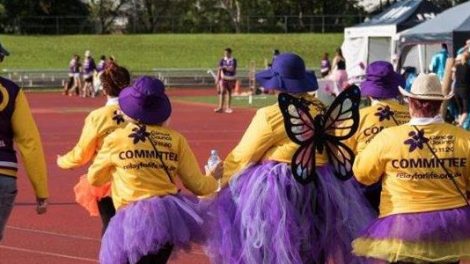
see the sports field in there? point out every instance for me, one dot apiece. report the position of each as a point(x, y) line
point(67, 234)
point(145, 52)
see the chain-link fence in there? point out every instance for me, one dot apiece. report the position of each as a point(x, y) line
point(173, 24)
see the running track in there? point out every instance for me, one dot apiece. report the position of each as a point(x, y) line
point(67, 234)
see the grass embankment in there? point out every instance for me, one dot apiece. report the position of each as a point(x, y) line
point(145, 52)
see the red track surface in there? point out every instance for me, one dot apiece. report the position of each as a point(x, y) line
point(66, 234)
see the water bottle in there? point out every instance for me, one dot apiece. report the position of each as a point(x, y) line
point(212, 162)
point(213, 159)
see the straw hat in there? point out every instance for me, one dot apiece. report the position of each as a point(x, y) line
point(426, 87)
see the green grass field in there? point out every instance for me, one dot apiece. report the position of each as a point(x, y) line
point(145, 52)
point(237, 101)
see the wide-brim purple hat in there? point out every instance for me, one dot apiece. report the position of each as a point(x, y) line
point(145, 101)
point(382, 81)
point(288, 74)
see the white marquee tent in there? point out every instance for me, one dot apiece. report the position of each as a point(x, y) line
point(377, 38)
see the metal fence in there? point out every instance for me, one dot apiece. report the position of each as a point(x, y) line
point(176, 24)
point(55, 78)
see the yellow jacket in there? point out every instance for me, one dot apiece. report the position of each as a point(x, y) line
point(411, 179)
point(28, 142)
point(373, 119)
point(266, 139)
point(128, 159)
point(98, 124)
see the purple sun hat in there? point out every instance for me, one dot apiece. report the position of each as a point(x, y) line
point(288, 74)
point(145, 101)
point(382, 81)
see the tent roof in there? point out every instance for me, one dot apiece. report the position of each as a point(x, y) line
point(404, 14)
point(441, 28)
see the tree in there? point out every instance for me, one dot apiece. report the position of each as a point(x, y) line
point(29, 16)
point(107, 11)
point(233, 9)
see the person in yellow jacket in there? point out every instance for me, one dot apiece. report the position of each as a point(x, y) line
point(98, 124)
point(262, 214)
point(424, 169)
point(143, 160)
point(381, 87)
point(17, 126)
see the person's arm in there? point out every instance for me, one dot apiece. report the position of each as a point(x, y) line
point(258, 138)
point(100, 172)
point(85, 148)
point(368, 166)
point(28, 142)
point(190, 173)
point(219, 72)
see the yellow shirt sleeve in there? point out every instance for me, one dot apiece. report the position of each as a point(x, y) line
point(28, 141)
point(368, 168)
point(258, 138)
point(190, 174)
point(100, 172)
point(84, 150)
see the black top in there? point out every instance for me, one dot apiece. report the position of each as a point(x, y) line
point(462, 79)
point(341, 65)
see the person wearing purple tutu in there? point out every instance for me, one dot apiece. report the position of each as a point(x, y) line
point(142, 160)
point(424, 169)
point(263, 215)
point(381, 87)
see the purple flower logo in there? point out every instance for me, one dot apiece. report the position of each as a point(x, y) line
point(416, 140)
point(118, 117)
point(384, 113)
point(140, 134)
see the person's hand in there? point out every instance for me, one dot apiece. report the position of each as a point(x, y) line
point(217, 171)
point(41, 205)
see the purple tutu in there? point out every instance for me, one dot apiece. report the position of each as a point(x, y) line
point(146, 226)
point(445, 226)
point(439, 236)
point(265, 216)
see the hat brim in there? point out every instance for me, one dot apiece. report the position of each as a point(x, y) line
point(132, 107)
point(434, 97)
point(270, 81)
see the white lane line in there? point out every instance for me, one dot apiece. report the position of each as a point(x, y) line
point(46, 253)
point(52, 233)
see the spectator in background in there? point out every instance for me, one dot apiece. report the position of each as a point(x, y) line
point(89, 68)
point(465, 48)
point(276, 53)
point(97, 85)
point(74, 82)
point(325, 65)
point(339, 74)
point(338, 60)
point(17, 127)
point(461, 78)
point(226, 80)
point(409, 73)
point(438, 62)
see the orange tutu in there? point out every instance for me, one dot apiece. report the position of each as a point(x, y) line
point(87, 195)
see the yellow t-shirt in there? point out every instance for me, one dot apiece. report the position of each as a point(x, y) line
point(98, 124)
point(374, 119)
point(266, 139)
point(130, 162)
point(412, 181)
